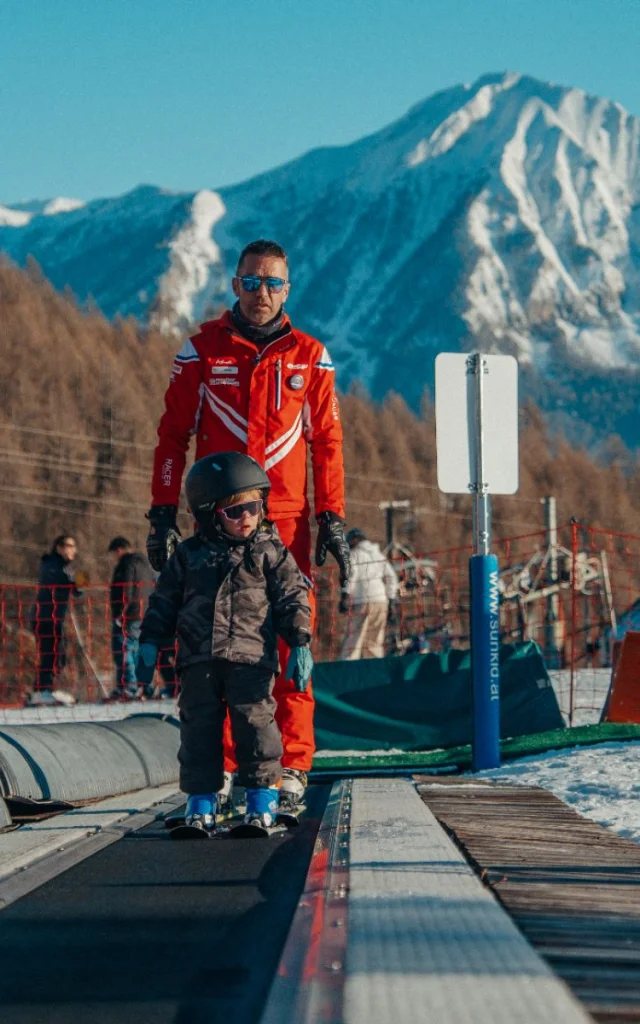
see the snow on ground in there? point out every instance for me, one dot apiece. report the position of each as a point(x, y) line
point(601, 782)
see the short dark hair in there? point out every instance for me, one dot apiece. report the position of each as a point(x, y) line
point(59, 542)
point(117, 543)
point(262, 247)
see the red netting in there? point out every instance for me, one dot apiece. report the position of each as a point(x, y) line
point(572, 598)
point(65, 644)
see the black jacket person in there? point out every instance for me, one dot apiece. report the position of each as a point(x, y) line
point(131, 584)
point(56, 586)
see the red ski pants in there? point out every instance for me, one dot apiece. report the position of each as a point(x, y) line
point(294, 713)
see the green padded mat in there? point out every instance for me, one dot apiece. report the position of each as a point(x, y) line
point(458, 759)
point(425, 701)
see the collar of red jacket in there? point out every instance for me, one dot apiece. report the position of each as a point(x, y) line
point(226, 323)
point(226, 320)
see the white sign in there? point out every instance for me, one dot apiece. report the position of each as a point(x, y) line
point(458, 430)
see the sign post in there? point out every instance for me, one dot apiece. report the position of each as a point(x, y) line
point(477, 450)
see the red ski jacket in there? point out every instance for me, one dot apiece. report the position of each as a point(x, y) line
point(270, 402)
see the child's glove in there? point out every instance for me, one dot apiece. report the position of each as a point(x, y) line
point(146, 663)
point(299, 667)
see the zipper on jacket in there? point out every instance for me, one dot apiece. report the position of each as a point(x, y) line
point(278, 384)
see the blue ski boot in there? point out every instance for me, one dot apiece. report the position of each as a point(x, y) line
point(262, 806)
point(201, 811)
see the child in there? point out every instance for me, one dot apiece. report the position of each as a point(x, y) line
point(227, 592)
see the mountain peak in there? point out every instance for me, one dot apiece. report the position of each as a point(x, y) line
point(502, 215)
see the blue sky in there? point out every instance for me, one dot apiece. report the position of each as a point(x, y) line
point(97, 96)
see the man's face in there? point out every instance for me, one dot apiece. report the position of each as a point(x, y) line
point(117, 555)
point(261, 306)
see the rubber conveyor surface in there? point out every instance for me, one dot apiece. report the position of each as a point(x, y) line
point(154, 931)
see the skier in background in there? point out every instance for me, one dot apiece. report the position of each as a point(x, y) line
point(56, 586)
point(370, 598)
point(250, 382)
point(131, 584)
point(228, 592)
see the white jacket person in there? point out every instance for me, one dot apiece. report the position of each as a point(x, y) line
point(372, 586)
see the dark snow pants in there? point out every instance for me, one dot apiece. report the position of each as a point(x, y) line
point(207, 689)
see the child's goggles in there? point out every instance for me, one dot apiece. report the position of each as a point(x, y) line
point(252, 508)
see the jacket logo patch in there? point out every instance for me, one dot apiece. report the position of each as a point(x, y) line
point(167, 468)
point(221, 381)
point(296, 382)
point(297, 366)
point(224, 368)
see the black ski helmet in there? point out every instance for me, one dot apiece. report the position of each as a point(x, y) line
point(216, 476)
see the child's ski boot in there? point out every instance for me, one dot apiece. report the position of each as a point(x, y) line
point(199, 817)
point(262, 806)
point(292, 790)
point(261, 818)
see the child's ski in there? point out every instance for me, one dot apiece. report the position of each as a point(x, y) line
point(184, 831)
point(254, 830)
point(284, 820)
point(174, 821)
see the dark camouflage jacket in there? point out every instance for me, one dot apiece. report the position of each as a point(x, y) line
point(230, 600)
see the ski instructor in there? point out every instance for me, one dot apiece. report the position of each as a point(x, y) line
point(250, 382)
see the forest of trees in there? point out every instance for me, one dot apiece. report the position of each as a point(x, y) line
point(80, 402)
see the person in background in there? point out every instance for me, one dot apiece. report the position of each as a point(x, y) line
point(371, 598)
point(56, 587)
point(253, 383)
point(228, 592)
point(131, 584)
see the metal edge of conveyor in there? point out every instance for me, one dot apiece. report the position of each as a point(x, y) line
point(309, 982)
point(49, 866)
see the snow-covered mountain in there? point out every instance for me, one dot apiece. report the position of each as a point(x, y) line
point(503, 215)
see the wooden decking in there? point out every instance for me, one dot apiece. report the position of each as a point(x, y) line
point(571, 886)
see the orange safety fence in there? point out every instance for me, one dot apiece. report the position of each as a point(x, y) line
point(573, 593)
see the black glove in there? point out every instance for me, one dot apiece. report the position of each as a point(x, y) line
point(344, 603)
point(331, 538)
point(164, 535)
point(393, 611)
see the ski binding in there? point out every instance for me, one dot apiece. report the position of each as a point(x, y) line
point(254, 830)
